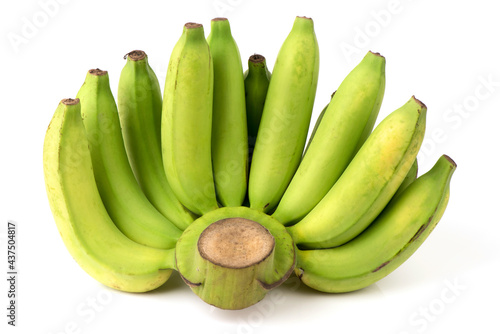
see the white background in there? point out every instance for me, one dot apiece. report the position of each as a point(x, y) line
point(446, 53)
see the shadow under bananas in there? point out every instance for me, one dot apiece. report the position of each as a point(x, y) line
point(174, 283)
point(303, 289)
point(279, 302)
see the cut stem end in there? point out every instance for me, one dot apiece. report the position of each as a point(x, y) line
point(235, 243)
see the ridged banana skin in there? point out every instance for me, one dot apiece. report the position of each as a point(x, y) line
point(368, 183)
point(88, 232)
point(392, 238)
point(256, 84)
point(286, 116)
point(122, 196)
point(186, 126)
point(345, 124)
point(409, 179)
point(229, 123)
point(139, 107)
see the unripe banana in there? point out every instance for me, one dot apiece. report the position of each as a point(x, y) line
point(344, 126)
point(388, 242)
point(368, 183)
point(409, 178)
point(88, 232)
point(229, 124)
point(285, 120)
point(186, 127)
point(139, 107)
point(256, 84)
point(316, 125)
point(127, 205)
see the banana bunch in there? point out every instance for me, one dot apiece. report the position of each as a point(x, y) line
point(215, 178)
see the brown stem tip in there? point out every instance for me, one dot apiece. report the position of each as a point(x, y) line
point(450, 160)
point(192, 25)
point(219, 19)
point(256, 58)
point(304, 17)
point(420, 103)
point(70, 102)
point(376, 54)
point(98, 72)
point(135, 55)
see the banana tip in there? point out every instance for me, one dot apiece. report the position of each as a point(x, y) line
point(135, 55)
point(452, 162)
point(256, 58)
point(193, 25)
point(376, 54)
point(98, 72)
point(70, 102)
point(420, 103)
point(219, 19)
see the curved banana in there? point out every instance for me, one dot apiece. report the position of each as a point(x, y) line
point(286, 116)
point(256, 84)
point(124, 200)
point(368, 183)
point(316, 125)
point(229, 123)
point(344, 126)
point(409, 178)
point(186, 126)
point(389, 241)
point(88, 232)
point(139, 108)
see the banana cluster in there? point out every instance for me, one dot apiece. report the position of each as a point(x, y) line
point(213, 178)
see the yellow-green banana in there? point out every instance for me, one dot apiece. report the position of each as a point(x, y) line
point(186, 127)
point(344, 126)
point(256, 84)
point(286, 116)
point(316, 125)
point(409, 178)
point(229, 124)
point(88, 232)
point(139, 107)
point(389, 241)
point(368, 183)
point(127, 205)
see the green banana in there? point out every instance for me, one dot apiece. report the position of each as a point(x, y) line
point(256, 84)
point(389, 241)
point(285, 119)
point(186, 126)
point(127, 205)
point(316, 125)
point(368, 183)
point(139, 108)
point(347, 122)
point(409, 178)
point(88, 232)
point(229, 124)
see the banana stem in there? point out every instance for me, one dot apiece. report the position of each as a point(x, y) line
point(232, 257)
